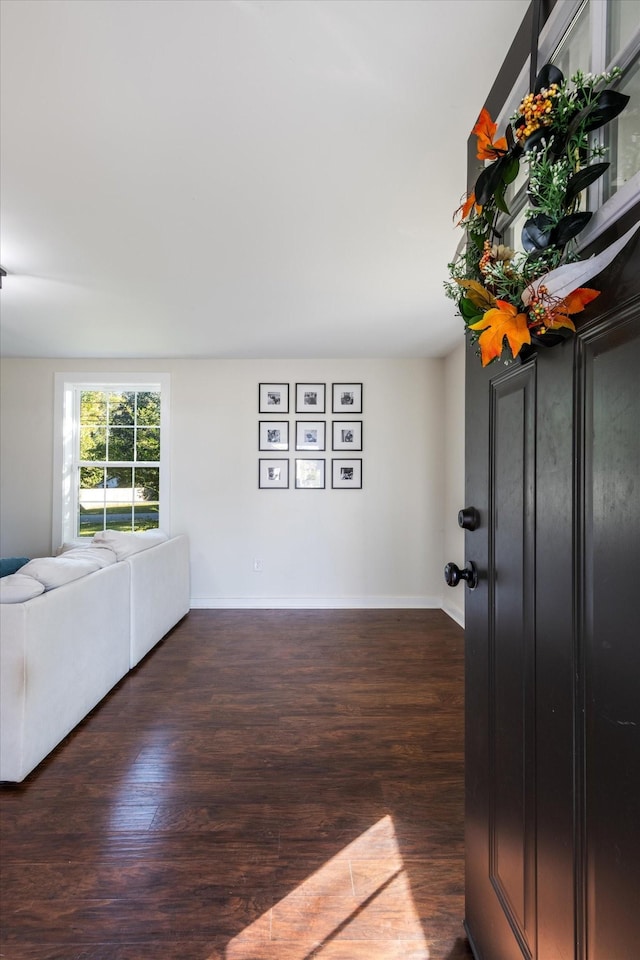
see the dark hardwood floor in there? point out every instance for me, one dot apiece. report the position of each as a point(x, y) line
point(265, 785)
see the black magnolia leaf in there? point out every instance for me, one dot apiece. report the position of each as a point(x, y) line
point(582, 179)
point(511, 168)
point(536, 233)
point(548, 75)
point(488, 181)
point(569, 227)
point(501, 203)
point(607, 106)
point(603, 108)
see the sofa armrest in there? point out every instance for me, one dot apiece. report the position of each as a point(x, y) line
point(61, 653)
point(160, 593)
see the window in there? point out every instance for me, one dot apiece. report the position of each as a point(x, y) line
point(592, 36)
point(623, 136)
point(602, 36)
point(574, 50)
point(113, 447)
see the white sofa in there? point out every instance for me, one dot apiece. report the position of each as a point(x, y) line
point(63, 650)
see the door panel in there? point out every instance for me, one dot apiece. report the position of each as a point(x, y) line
point(611, 629)
point(512, 465)
point(500, 820)
point(555, 640)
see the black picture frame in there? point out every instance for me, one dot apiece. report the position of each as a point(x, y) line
point(273, 473)
point(273, 435)
point(346, 398)
point(311, 435)
point(310, 473)
point(346, 474)
point(273, 398)
point(311, 398)
point(346, 435)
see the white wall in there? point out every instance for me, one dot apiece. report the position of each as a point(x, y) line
point(379, 546)
point(453, 415)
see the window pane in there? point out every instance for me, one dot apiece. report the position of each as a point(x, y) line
point(148, 409)
point(91, 500)
point(514, 188)
point(93, 406)
point(119, 480)
point(121, 409)
point(119, 516)
point(623, 19)
point(148, 444)
point(120, 443)
point(145, 516)
point(146, 509)
point(147, 484)
point(93, 443)
point(574, 51)
point(622, 136)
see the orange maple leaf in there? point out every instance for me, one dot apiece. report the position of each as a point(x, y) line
point(575, 302)
point(465, 208)
point(501, 321)
point(485, 130)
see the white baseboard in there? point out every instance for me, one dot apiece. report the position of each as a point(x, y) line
point(314, 603)
point(454, 612)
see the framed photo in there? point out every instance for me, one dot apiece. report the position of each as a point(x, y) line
point(273, 435)
point(310, 435)
point(347, 434)
point(273, 474)
point(273, 398)
point(310, 397)
point(346, 474)
point(310, 474)
point(347, 398)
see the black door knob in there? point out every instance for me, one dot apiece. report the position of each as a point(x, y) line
point(469, 518)
point(453, 575)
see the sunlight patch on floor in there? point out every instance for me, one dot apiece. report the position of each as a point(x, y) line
point(362, 894)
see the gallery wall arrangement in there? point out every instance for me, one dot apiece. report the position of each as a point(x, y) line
point(310, 435)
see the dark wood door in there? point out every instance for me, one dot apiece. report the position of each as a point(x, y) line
point(553, 641)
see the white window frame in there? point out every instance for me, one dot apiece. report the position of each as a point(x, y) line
point(65, 435)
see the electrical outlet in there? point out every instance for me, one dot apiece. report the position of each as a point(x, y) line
point(257, 566)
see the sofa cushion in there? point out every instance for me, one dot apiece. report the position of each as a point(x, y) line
point(56, 571)
point(9, 565)
point(126, 544)
point(16, 588)
point(102, 555)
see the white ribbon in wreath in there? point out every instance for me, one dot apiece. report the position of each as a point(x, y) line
point(565, 279)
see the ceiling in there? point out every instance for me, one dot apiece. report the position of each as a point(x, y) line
point(237, 178)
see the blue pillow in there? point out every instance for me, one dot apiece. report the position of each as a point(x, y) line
point(11, 565)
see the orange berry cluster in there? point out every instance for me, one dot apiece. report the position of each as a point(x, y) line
point(540, 313)
point(486, 257)
point(536, 109)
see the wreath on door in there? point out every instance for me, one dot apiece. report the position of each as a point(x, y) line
point(530, 296)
